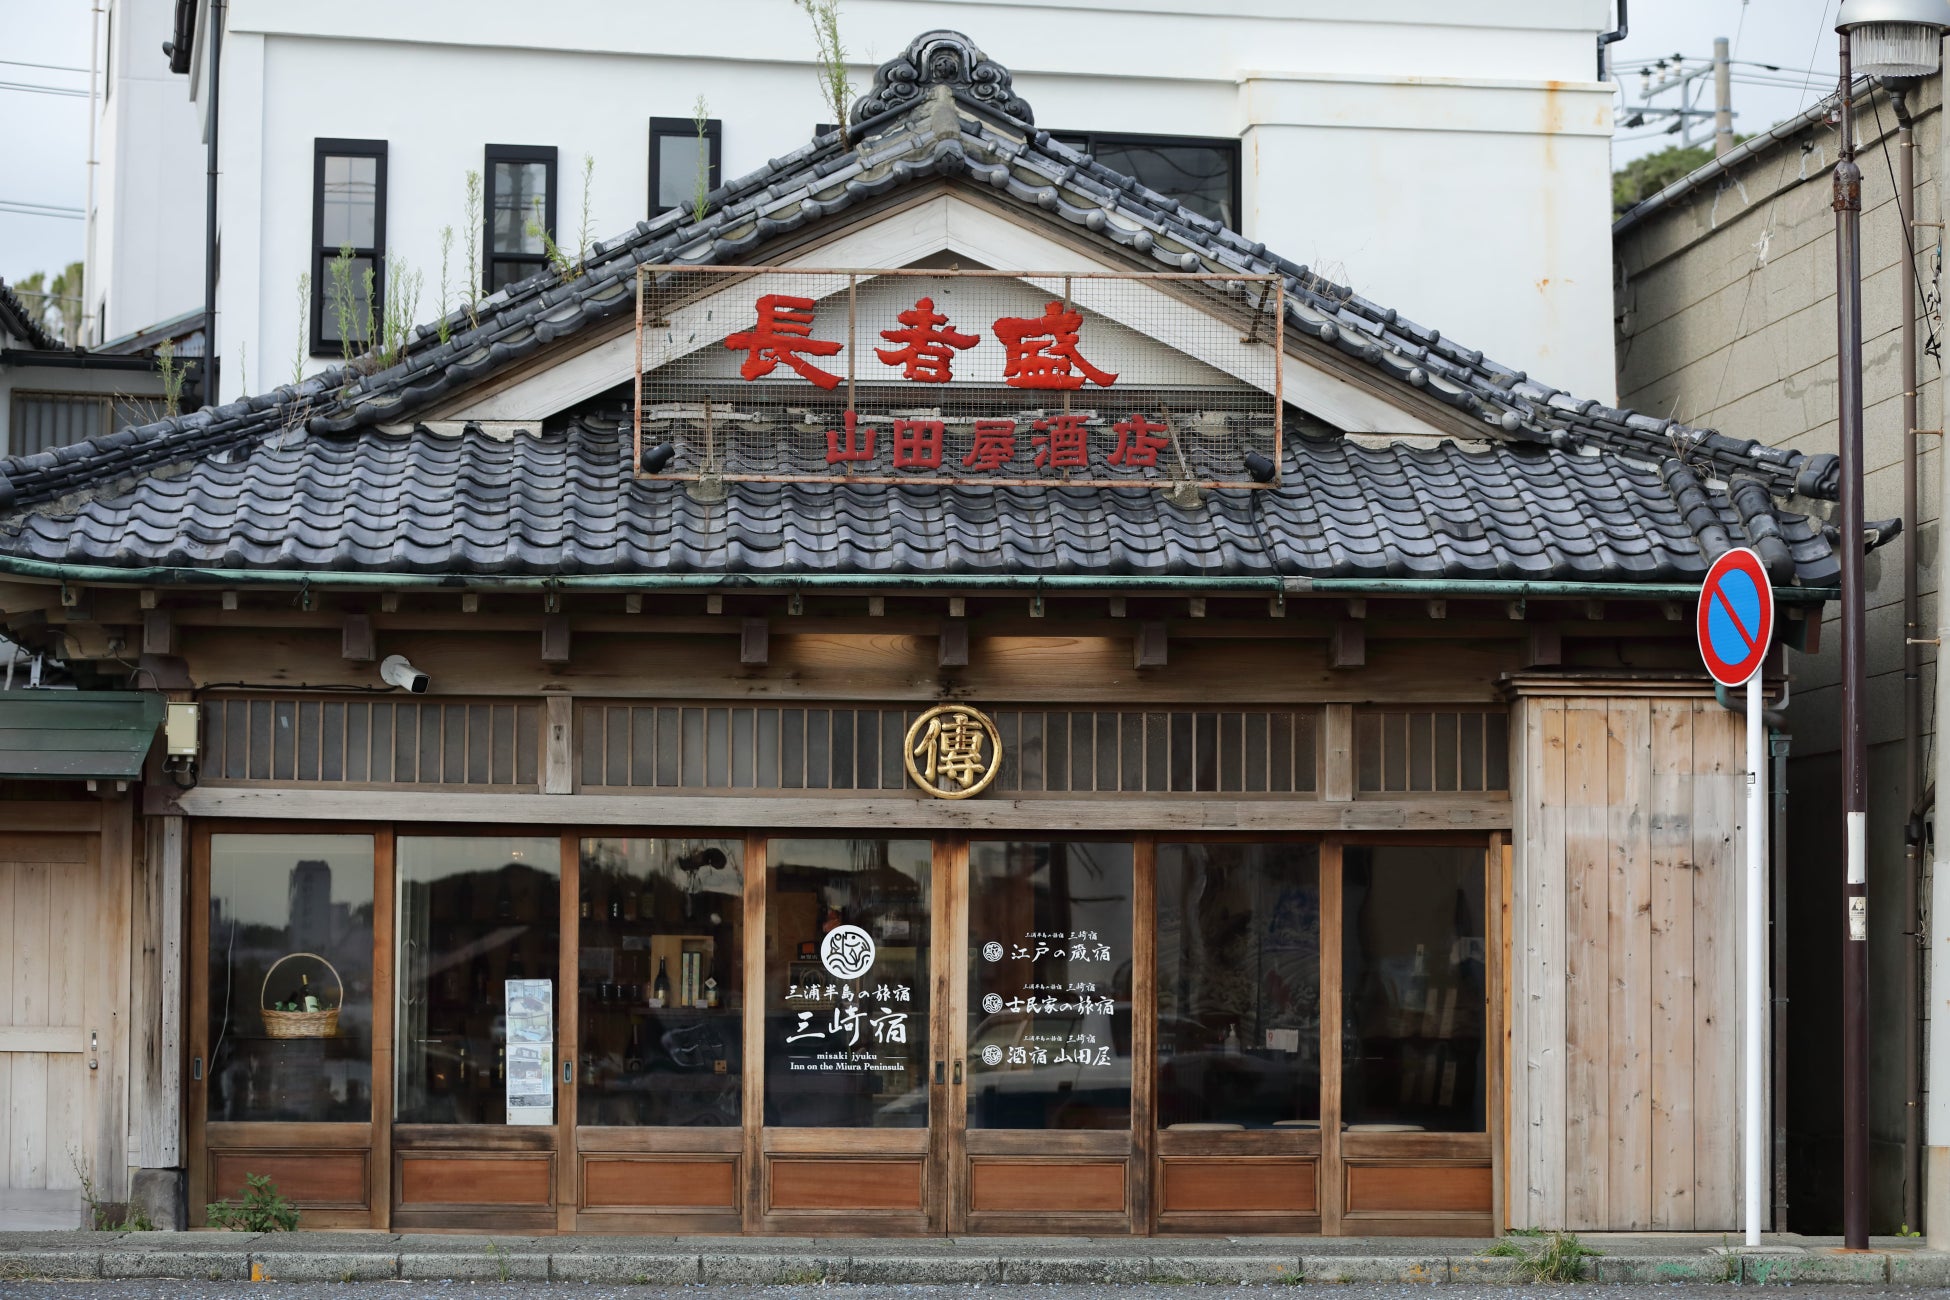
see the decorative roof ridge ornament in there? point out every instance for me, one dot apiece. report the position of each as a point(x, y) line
point(941, 58)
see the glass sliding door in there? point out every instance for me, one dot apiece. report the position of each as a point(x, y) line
point(1239, 1049)
point(1050, 1053)
point(478, 1030)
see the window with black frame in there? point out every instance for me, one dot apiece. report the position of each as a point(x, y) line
point(348, 262)
point(686, 161)
point(520, 202)
point(1203, 174)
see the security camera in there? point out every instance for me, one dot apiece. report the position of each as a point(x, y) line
point(395, 671)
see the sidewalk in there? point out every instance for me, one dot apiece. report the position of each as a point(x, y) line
point(373, 1256)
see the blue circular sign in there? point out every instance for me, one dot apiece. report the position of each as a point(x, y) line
point(1736, 617)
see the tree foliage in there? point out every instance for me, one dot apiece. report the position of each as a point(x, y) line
point(1641, 178)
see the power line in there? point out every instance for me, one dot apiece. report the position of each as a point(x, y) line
point(43, 90)
point(20, 209)
point(51, 67)
point(1820, 25)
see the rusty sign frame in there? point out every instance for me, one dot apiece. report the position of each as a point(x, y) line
point(1263, 327)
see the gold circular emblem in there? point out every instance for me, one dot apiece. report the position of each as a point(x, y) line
point(953, 751)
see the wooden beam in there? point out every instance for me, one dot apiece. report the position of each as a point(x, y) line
point(356, 643)
point(148, 597)
point(633, 603)
point(559, 746)
point(1516, 608)
point(953, 652)
point(714, 604)
point(1118, 606)
point(755, 643)
point(1349, 647)
point(229, 601)
point(158, 632)
point(1195, 606)
point(388, 603)
point(1438, 609)
point(555, 638)
point(1357, 608)
point(1152, 648)
point(1595, 610)
point(1439, 813)
point(1544, 647)
point(1337, 753)
point(876, 607)
point(957, 607)
point(470, 602)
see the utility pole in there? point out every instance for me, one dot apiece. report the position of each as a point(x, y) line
point(1722, 97)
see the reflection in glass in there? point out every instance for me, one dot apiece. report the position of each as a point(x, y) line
point(1239, 985)
point(680, 160)
point(661, 991)
point(350, 202)
point(1200, 176)
point(353, 289)
point(1414, 998)
point(272, 896)
point(520, 200)
point(846, 983)
point(1049, 985)
point(474, 911)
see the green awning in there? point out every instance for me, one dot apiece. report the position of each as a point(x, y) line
point(66, 735)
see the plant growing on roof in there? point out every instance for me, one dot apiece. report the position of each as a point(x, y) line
point(582, 226)
point(349, 297)
point(173, 376)
point(560, 262)
point(834, 85)
point(446, 247)
point(473, 229)
point(701, 182)
point(304, 328)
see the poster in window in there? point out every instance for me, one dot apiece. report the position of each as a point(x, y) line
point(531, 1051)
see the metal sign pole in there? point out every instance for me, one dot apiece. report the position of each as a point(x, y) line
point(1755, 1152)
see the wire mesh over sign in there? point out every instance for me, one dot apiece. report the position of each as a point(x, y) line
point(938, 376)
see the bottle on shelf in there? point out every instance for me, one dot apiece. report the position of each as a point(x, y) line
point(629, 905)
point(500, 1064)
point(463, 1063)
point(660, 991)
point(585, 902)
point(307, 1000)
point(633, 1061)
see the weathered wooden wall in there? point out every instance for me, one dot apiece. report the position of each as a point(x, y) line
point(1624, 1032)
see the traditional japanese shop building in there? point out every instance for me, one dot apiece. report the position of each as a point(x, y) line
point(942, 693)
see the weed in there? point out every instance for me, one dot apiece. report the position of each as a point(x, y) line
point(243, 372)
point(1905, 1231)
point(304, 329)
point(172, 375)
point(567, 267)
point(347, 1276)
point(701, 183)
point(349, 295)
point(446, 298)
point(473, 229)
point(641, 1279)
point(397, 310)
point(803, 1277)
point(1561, 1260)
point(500, 1260)
point(834, 86)
point(1505, 1250)
point(1344, 1278)
point(261, 1210)
point(582, 223)
point(102, 1214)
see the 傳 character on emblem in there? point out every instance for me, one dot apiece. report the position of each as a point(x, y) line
point(958, 751)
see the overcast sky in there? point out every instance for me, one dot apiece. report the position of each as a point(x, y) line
point(44, 147)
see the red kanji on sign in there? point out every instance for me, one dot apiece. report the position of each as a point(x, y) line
point(929, 352)
point(1043, 351)
point(1137, 448)
point(858, 444)
point(1060, 444)
point(995, 445)
point(917, 444)
point(784, 330)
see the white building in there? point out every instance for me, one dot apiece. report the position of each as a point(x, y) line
point(1450, 160)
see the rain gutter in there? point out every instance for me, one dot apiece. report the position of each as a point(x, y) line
point(1459, 588)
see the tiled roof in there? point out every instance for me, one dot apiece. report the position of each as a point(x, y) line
point(942, 110)
point(17, 320)
point(568, 502)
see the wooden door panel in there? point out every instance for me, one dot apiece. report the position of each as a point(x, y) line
point(1238, 1185)
point(443, 1180)
point(830, 1184)
point(309, 1179)
point(697, 1182)
point(1402, 1188)
point(1002, 1186)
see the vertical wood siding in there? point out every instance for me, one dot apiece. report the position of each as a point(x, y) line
point(1625, 1051)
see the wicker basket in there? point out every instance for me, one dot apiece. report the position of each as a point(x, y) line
point(300, 1024)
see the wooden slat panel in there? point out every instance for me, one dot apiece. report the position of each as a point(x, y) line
point(1238, 1185)
point(647, 1183)
point(1587, 1040)
point(830, 1185)
point(1412, 1189)
point(16, 847)
point(306, 1178)
point(457, 1180)
point(1718, 804)
point(9, 939)
point(1539, 1151)
point(1629, 1158)
point(1020, 1185)
point(31, 939)
point(27, 1155)
point(1670, 829)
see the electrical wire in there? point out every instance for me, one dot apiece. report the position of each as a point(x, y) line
point(32, 89)
point(1821, 25)
point(1909, 235)
point(51, 67)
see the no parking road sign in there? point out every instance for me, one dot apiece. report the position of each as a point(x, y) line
point(1736, 617)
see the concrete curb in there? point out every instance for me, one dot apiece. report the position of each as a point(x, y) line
point(907, 1264)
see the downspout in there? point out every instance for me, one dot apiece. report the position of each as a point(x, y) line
point(88, 217)
point(1900, 88)
point(212, 363)
point(1778, 744)
point(1608, 39)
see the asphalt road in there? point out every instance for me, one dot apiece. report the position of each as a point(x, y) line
point(179, 1290)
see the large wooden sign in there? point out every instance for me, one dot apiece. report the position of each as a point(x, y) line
point(1003, 378)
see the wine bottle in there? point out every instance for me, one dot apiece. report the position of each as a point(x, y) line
point(629, 906)
point(307, 999)
point(661, 989)
point(633, 1061)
